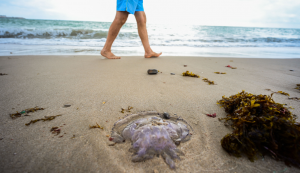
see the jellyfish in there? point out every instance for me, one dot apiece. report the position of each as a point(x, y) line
point(152, 134)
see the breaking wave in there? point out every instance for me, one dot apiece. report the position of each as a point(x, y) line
point(82, 33)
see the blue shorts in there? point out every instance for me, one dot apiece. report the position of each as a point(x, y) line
point(131, 6)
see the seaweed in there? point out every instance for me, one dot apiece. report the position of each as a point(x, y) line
point(298, 87)
point(294, 98)
point(220, 72)
point(260, 126)
point(127, 110)
point(47, 118)
point(19, 114)
point(212, 115)
point(55, 130)
point(230, 67)
point(208, 81)
point(2, 74)
point(191, 74)
point(96, 126)
point(279, 92)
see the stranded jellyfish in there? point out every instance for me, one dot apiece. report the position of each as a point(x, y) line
point(152, 134)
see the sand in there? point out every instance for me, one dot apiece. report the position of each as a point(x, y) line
point(86, 82)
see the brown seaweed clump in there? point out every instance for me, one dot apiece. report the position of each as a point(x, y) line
point(191, 74)
point(47, 118)
point(26, 111)
point(261, 126)
point(2, 74)
point(220, 72)
point(208, 81)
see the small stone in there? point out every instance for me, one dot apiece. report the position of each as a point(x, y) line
point(65, 106)
point(172, 73)
point(15, 153)
point(291, 70)
point(185, 65)
point(166, 115)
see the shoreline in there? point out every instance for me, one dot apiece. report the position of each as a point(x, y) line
point(238, 52)
point(97, 89)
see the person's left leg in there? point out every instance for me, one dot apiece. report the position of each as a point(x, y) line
point(140, 17)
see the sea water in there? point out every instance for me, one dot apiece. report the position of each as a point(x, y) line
point(60, 37)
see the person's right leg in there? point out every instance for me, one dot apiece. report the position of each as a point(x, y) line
point(113, 32)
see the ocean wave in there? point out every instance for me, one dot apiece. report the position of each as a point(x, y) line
point(58, 33)
point(94, 34)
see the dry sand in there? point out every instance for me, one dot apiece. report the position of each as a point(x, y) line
point(85, 82)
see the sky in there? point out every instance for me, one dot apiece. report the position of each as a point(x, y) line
point(251, 13)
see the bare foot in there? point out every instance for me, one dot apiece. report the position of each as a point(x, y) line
point(152, 54)
point(109, 55)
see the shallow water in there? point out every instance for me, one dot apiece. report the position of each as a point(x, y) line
point(58, 37)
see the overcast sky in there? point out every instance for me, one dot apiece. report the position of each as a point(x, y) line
point(256, 13)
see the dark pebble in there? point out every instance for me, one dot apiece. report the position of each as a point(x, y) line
point(291, 70)
point(166, 115)
point(67, 106)
point(172, 73)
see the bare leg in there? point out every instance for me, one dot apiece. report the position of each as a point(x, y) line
point(113, 32)
point(140, 17)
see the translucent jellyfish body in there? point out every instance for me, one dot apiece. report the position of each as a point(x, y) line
point(152, 135)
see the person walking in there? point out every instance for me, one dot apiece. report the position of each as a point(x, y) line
point(124, 8)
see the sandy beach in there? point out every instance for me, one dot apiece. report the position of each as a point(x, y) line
point(97, 89)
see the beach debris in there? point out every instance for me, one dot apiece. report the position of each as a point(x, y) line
point(103, 102)
point(66, 106)
point(96, 126)
point(184, 65)
point(208, 81)
point(220, 72)
point(230, 67)
point(260, 126)
point(298, 87)
point(55, 131)
point(294, 98)
point(152, 136)
point(283, 93)
point(107, 136)
point(73, 137)
point(172, 73)
point(152, 71)
point(112, 144)
point(166, 115)
point(127, 110)
point(279, 92)
point(1, 139)
point(191, 74)
point(26, 111)
point(291, 70)
point(2, 74)
point(212, 115)
point(47, 118)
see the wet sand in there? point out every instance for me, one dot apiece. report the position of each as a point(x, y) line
point(86, 82)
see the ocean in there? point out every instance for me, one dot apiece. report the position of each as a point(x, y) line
point(61, 37)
